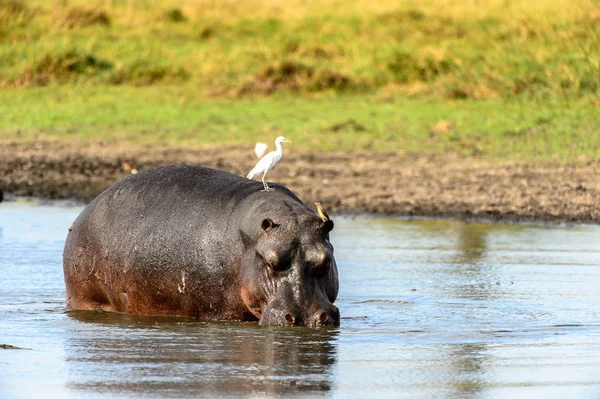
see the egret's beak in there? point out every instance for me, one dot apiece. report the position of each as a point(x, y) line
point(286, 140)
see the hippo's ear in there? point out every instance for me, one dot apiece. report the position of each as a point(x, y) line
point(267, 225)
point(328, 225)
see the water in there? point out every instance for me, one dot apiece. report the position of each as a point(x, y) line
point(429, 309)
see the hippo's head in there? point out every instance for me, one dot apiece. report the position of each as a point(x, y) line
point(288, 272)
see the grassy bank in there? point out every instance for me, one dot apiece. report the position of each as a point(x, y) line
point(444, 49)
point(496, 79)
point(491, 129)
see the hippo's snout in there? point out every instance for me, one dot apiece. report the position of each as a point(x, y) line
point(323, 316)
point(329, 317)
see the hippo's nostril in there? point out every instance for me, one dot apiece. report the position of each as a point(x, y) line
point(336, 316)
point(290, 318)
point(323, 317)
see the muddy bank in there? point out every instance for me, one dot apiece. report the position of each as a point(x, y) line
point(384, 183)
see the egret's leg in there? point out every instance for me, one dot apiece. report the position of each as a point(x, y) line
point(265, 185)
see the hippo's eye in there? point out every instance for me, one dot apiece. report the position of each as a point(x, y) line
point(322, 268)
point(321, 271)
point(279, 267)
point(276, 262)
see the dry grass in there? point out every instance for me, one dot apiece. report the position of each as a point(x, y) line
point(61, 68)
point(295, 76)
point(13, 13)
point(73, 67)
point(79, 17)
point(432, 49)
point(143, 74)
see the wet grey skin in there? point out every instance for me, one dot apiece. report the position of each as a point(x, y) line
point(200, 242)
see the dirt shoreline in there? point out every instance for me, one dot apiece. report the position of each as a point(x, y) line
point(359, 182)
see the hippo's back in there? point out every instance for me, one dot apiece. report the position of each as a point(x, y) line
point(161, 207)
point(186, 187)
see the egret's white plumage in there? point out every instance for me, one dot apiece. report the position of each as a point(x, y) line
point(267, 162)
point(260, 149)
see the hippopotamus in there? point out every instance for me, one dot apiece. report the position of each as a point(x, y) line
point(200, 242)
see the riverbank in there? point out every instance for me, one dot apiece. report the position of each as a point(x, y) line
point(388, 183)
point(375, 96)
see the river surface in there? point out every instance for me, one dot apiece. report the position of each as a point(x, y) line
point(429, 309)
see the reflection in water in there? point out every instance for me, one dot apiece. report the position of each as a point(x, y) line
point(191, 358)
point(471, 242)
point(468, 361)
point(477, 280)
point(469, 358)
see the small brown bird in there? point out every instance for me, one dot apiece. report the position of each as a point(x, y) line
point(129, 167)
point(322, 214)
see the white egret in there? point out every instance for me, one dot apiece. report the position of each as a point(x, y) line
point(267, 162)
point(260, 149)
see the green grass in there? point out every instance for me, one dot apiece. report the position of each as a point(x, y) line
point(510, 78)
point(166, 116)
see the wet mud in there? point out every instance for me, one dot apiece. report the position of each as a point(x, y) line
point(356, 182)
